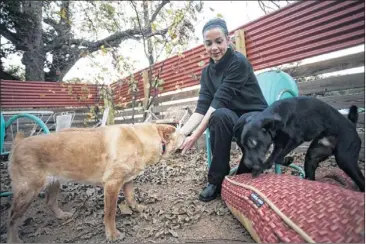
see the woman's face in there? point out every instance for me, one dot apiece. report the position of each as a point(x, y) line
point(216, 43)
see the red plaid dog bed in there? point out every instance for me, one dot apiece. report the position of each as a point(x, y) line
point(284, 208)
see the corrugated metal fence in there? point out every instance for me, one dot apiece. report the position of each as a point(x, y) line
point(40, 94)
point(300, 30)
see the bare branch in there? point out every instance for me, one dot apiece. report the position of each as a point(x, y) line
point(265, 5)
point(156, 33)
point(9, 35)
point(53, 23)
point(274, 2)
point(156, 78)
point(120, 36)
point(166, 41)
point(89, 19)
point(113, 40)
point(140, 26)
point(261, 5)
point(158, 9)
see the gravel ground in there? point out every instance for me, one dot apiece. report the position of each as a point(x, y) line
point(169, 190)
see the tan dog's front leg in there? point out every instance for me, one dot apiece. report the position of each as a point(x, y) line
point(111, 190)
point(130, 198)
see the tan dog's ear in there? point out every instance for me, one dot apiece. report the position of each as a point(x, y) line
point(165, 132)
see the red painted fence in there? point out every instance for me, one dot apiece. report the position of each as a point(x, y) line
point(300, 30)
point(36, 94)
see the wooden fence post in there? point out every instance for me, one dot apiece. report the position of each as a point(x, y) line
point(108, 102)
point(240, 41)
point(145, 80)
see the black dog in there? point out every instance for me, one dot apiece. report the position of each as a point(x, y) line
point(287, 123)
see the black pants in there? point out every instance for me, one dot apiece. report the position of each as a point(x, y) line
point(223, 125)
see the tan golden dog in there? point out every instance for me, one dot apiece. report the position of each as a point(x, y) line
point(111, 156)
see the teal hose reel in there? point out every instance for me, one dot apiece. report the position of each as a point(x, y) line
point(5, 125)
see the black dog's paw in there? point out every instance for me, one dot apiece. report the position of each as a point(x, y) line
point(256, 172)
point(267, 166)
point(288, 160)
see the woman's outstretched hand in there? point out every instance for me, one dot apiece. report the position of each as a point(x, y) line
point(188, 143)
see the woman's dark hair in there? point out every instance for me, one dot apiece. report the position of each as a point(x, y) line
point(216, 23)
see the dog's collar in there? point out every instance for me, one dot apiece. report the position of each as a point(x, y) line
point(163, 147)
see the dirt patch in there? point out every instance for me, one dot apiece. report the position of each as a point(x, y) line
point(170, 192)
point(173, 214)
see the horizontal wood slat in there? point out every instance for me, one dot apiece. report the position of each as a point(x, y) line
point(349, 81)
point(177, 96)
point(305, 88)
point(335, 83)
point(327, 66)
point(345, 101)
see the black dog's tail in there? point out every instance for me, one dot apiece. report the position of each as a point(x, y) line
point(353, 114)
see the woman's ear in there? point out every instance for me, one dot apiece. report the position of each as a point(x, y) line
point(230, 41)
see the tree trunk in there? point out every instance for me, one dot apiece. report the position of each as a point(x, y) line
point(61, 66)
point(149, 54)
point(34, 56)
point(150, 48)
point(108, 102)
point(65, 57)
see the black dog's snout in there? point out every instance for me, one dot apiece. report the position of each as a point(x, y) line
point(247, 164)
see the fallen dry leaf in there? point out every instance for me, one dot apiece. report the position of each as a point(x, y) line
point(125, 210)
point(173, 233)
point(90, 191)
point(159, 233)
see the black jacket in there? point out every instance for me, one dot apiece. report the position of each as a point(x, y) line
point(230, 83)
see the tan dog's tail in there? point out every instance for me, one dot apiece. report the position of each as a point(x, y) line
point(18, 137)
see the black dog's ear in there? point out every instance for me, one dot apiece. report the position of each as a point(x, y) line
point(272, 123)
point(248, 119)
